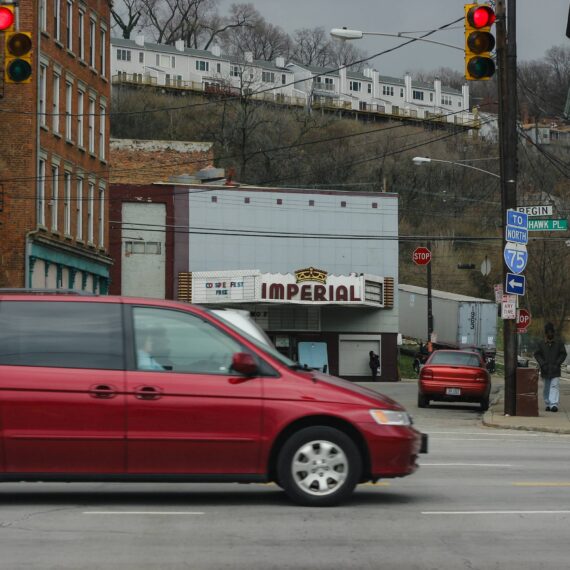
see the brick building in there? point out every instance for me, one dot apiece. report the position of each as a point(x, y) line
point(54, 150)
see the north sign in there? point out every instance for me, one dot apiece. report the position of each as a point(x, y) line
point(515, 284)
point(516, 257)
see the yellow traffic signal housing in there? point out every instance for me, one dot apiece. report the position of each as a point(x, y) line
point(479, 42)
point(18, 57)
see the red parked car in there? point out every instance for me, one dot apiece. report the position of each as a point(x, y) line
point(120, 389)
point(454, 376)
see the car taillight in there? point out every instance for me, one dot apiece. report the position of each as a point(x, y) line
point(426, 374)
point(481, 378)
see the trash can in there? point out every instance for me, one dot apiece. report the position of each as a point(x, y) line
point(527, 392)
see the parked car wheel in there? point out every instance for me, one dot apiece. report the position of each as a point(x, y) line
point(423, 401)
point(319, 467)
point(485, 404)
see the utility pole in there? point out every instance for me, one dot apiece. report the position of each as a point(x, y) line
point(507, 67)
point(429, 301)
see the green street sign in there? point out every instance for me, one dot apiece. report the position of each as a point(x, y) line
point(549, 225)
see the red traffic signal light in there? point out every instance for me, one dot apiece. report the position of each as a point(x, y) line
point(479, 42)
point(481, 17)
point(6, 18)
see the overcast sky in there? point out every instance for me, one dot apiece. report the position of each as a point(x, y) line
point(541, 24)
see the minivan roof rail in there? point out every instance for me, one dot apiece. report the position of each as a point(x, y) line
point(37, 291)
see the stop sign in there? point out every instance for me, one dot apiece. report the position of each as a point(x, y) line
point(523, 320)
point(421, 256)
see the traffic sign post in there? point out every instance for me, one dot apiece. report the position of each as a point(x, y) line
point(523, 320)
point(516, 257)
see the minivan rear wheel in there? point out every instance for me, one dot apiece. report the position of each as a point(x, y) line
point(423, 401)
point(319, 466)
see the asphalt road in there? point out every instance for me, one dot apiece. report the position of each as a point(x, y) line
point(482, 499)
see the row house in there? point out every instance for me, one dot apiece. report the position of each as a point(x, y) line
point(178, 66)
point(54, 172)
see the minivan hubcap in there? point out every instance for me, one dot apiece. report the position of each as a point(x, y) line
point(320, 467)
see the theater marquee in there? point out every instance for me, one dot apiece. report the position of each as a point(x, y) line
point(308, 286)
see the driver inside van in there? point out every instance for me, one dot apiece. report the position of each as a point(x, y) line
point(145, 358)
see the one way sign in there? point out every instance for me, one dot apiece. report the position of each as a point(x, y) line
point(515, 285)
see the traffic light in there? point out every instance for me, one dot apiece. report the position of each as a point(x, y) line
point(18, 57)
point(479, 42)
point(7, 18)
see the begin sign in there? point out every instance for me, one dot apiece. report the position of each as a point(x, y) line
point(421, 256)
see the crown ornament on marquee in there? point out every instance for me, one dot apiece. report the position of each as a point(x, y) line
point(311, 274)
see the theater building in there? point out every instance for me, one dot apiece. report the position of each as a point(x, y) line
point(317, 270)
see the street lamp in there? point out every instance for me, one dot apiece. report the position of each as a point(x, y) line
point(346, 34)
point(424, 159)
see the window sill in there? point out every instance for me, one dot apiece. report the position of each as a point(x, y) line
point(68, 237)
point(56, 233)
point(103, 78)
point(81, 149)
point(93, 70)
point(45, 34)
point(91, 244)
point(82, 62)
point(57, 135)
point(92, 154)
point(80, 241)
point(69, 142)
point(42, 228)
point(44, 128)
point(59, 44)
point(103, 161)
point(70, 53)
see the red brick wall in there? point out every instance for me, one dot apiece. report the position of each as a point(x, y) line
point(145, 162)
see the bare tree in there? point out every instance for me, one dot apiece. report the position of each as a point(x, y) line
point(312, 47)
point(128, 15)
point(345, 53)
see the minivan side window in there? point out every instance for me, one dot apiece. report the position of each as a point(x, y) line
point(180, 342)
point(61, 334)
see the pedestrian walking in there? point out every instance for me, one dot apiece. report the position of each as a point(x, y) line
point(374, 364)
point(550, 355)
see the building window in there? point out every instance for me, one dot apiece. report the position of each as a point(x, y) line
point(102, 118)
point(234, 70)
point(92, 43)
point(68, 109)
point(283, 79)
point(101, 220)
point(144, 247)
point(157, 59)
point(375, 204)
point(362, 105)
point(80, 111)
point(81, 35)
point(431, 97)
point(418, 95)
point(214, 199)
point(41, 193)
point(90, 204)
point(42, 109)
point(124, 54)
point(446, 100)
point(79, 209)
point(141, 56)
point(173, 62)
point(67, 203)
point(401, 92)
point(103, 52)
point(343, 204)
point(54, 195)
point(69, 26)
point(218, 67)
point(311, 202)
point(388, 90)
point(202, 65)
point(355, 86)
point(268, 77)
point(43, 16)
point(279, 202)
point(370, 88)
point(91, 127)
point(57, 20)
point(55, 103)
point(246, 200)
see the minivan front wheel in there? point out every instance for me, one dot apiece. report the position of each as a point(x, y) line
point(319, 466)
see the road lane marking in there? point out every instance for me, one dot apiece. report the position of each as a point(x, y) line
point(465, 465)
point(488, 434)
point(143, 513)
point(544, 484)
point(495, 512)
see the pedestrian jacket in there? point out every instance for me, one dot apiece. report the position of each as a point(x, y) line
point(550, 356)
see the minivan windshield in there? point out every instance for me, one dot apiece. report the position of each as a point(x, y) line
point(267, 348)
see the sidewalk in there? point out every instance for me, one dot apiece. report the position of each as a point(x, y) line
point(553, 422)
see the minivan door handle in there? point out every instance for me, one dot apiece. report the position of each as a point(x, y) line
point(148, 393)
point(103, 391)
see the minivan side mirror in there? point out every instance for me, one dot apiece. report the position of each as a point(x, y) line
point(244, 363)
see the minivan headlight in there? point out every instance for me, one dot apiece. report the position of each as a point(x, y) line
point(391, 417)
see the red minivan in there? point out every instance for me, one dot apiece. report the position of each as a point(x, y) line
point(123, 389)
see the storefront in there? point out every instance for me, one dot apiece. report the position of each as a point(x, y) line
point(327, 322)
